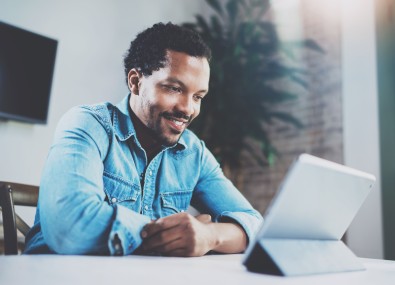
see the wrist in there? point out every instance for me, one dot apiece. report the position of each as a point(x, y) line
point(228, 238)
point(215, 240)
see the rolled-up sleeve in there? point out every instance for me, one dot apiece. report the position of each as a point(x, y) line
point(75, 216)
point(217, 196)
point(125, 231)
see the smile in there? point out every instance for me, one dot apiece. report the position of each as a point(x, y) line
point(178, 123)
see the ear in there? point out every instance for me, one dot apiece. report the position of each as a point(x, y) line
point(134, 81)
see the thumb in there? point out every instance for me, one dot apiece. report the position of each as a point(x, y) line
point(204, 218)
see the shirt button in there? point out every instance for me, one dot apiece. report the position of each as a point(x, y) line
point(150, 173)
point(146, 207)
point(114, 200)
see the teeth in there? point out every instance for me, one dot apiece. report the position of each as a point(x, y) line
point(178, 123)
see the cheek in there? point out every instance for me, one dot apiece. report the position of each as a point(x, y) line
point(163, 101)
point(150, 102)
point(197, 111)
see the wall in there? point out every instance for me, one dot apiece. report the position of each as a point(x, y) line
point(385, 12)
point(93, 36)
point(360, 119)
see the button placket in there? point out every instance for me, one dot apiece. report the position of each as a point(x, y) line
point(149, 186)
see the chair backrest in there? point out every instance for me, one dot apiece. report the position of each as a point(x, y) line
point(15, 194)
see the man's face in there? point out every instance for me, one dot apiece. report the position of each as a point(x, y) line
point(170, 98)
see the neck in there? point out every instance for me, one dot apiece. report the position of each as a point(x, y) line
point(144, 135)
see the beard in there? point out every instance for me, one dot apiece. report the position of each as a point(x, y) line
point(157, 126)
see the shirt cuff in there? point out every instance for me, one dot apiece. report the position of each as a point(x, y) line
point(125, 232)
point(250, 222)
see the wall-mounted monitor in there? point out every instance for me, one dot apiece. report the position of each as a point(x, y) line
point(27, 63)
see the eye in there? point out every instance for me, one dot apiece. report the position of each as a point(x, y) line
point(198, 97)
point(172, 88)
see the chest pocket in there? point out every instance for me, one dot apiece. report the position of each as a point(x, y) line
point(175, 202)
point(119, 191)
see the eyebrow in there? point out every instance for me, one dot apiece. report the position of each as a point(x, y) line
point(179, 82)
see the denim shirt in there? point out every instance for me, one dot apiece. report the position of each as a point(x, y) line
point(92, 199)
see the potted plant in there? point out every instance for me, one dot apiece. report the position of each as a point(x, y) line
point(247, 61)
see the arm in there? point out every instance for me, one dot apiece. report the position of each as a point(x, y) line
point(235, 221)
point(184, 235)
point(218, 197)
point(75, 217)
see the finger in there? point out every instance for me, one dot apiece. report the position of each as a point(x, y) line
point(182, 252)
point(166, 249)
point(163, 237)
point(204, 218)
point(162, 224)
point(143, 232)
point(179, 252)
point(152, 229)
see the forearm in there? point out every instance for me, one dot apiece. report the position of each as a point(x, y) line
point(228, 238)
point(226, 203)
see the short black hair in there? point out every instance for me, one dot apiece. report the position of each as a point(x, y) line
point(147, 52)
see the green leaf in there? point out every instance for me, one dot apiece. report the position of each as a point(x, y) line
point(291, 46)
point(254, 155)
point(260, 8)
point(216, 6)
point(287, 118)
point(217, 27)
point(313, 45)
point(191, 26)
point(299, 81)
point(237, 51)
point(232, 9)
point(205, 29)
point(271, 157)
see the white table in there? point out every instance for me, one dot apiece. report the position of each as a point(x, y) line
point(212, 269)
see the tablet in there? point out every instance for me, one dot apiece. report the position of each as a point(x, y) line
point(317, 200)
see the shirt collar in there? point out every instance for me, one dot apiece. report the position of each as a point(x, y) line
point(124, 128)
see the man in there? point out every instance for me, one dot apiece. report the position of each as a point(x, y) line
point(119, 179)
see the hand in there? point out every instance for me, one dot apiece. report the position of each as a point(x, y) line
point(180, 235)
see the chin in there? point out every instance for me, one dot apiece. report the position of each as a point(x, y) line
point(167, 141)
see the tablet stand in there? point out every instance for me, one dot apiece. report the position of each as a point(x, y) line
point(290, 257)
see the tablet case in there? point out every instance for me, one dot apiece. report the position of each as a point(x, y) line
point(287, 257)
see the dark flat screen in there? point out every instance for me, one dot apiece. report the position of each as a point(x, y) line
point(26, 69)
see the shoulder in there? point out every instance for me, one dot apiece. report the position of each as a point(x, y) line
point(88, 117)
point(88, 125)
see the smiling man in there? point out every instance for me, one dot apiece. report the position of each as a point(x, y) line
point(119, 179)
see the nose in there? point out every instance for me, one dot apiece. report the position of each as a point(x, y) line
point(186, 105)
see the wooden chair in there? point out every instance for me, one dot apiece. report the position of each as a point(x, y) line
point(15, 194)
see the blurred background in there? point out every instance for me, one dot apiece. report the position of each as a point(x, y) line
point(322, 71)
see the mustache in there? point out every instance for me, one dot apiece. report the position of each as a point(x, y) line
point(177, 115)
